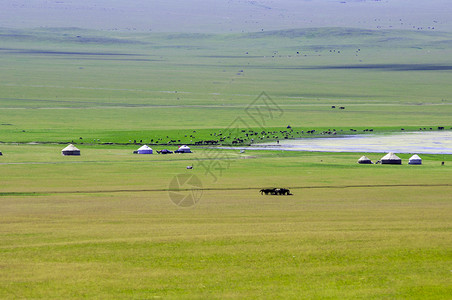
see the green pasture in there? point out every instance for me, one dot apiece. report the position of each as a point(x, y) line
point(62, 84)
point(125, 170)
point(102, 225)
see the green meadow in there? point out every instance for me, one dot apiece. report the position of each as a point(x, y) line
point(102, 225)
point(105, 224)
point(62, 84)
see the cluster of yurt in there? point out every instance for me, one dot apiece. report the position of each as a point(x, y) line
point(391, 159)
point(145, 149)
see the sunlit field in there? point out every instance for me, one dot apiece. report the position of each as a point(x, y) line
point(106, 224)
point(60, 85)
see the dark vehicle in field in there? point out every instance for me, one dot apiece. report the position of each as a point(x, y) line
point(165, 151)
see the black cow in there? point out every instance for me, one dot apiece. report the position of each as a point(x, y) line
point(276, 191)
point(266, 191)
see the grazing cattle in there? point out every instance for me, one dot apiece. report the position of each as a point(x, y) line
point(276, 191)
point(266, 191)
point(283, 191)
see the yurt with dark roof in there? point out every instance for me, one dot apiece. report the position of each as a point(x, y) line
point(415, 160)
point(364, 160)
point(70, 150)
point(145, 149)
point(391, 159)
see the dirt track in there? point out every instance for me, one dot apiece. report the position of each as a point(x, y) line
point(3, 194)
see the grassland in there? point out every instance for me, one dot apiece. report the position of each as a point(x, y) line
point(102, 225)
point(59, 85)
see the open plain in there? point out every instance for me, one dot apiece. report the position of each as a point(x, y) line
point(105, 225)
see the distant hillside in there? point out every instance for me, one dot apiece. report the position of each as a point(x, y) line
point(343, 36)
point(316, 33)
point(290, 39)
point(233, 16)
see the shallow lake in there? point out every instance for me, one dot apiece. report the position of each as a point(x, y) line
point(438, 142)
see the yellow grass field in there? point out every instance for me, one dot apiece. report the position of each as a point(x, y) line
point(96, 226)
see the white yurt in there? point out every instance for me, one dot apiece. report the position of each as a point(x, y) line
point(183, 149)
point(145, 149)
point(70, 150)
point(391, 159)
point(415, 160)
point(365, 160)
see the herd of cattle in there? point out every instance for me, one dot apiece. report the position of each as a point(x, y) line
point(276, 191)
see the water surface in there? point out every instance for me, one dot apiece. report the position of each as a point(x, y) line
point(407, 142)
